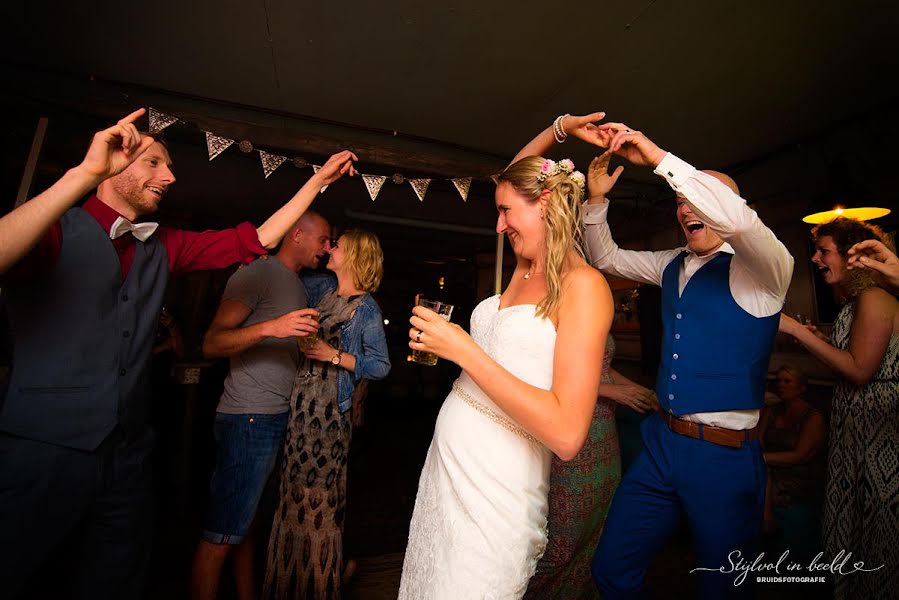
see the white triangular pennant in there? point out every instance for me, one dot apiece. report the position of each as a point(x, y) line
point(373, 184)
point(462, 186)
point(315, 169)
point(421, 187)
point(160, 120)
point(270, 162)
point(215, 145)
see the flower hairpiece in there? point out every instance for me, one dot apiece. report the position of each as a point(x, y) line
point(550, 168)
point(579, 179)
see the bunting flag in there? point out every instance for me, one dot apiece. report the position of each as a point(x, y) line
point(160, 120)
point(420, 186)
point(462, 186)
point(216, 145)
point(373, 184)
point(315, 169)
point(270, 162)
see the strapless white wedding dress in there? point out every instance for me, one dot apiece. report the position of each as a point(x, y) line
point(479, 525)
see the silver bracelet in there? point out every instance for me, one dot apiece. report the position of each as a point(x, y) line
point(558, 131)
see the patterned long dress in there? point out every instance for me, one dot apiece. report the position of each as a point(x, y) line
point(861, 510)
point(580, 492)
point(305, 552)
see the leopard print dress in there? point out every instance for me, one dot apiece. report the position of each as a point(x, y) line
point(305, 553)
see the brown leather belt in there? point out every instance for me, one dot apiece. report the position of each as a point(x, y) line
point(732, 438)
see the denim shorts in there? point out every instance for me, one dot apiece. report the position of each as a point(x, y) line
point(248, 447)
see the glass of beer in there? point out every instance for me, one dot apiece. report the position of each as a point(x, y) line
point(307, 341)
point(444, 310)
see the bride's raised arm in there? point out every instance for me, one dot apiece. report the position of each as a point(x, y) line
point(580, 127)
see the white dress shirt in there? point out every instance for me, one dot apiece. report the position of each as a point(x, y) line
point(760, 270)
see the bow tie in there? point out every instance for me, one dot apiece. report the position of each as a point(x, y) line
point(141, 231)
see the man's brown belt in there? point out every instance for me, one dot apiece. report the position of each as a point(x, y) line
point(733, 438)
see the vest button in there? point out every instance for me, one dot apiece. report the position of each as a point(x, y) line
point(122, 372)
point(673, 376)
point(126, 334)
point(671, 396)
point(125, 298)
point(679, 316)
point(675, 357)
point(677, 336)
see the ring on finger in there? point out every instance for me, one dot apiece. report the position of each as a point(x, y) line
point(418, 337)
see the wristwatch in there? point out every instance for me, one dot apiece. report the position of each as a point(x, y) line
point(335, 360)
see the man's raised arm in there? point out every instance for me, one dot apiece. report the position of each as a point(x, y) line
point(110, 153)
point(276, 226)
point(602, 251)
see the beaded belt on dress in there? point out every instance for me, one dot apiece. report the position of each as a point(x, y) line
point(498, 419)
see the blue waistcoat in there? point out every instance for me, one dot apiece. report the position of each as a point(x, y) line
point(714, 354)
point(84, 340)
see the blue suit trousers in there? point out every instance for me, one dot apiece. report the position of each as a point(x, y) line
point(720, 490)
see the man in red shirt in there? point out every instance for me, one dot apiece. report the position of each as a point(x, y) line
point(84, 288)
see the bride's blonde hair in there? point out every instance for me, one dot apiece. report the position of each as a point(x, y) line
point(564, 219)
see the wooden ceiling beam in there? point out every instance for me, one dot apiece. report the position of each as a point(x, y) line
point(271, 130)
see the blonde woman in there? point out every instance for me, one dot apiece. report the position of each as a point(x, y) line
point(531, 374)
point(305, 554)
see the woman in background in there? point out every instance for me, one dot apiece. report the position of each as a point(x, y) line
point(793, 434)
point(305, 554)
point(862, 493)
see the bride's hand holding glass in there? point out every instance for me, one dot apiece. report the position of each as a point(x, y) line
point(432, 333)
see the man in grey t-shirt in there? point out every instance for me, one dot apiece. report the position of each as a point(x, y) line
point(261, 376)
point(263, 311)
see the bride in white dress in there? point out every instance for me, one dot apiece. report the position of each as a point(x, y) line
point(531, 372)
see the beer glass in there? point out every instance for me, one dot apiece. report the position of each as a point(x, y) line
point(444, 310)
point(306, 342)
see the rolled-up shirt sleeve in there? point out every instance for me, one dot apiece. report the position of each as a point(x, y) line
point(193, 251)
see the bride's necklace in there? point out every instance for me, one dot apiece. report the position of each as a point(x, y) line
point(528, 274)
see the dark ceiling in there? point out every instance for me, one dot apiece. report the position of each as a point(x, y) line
point(723, 84)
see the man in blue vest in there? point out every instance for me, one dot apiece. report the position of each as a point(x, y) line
point(721, 300)
point(84, 290)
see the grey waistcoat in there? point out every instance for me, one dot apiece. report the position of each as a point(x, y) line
point(84, 339)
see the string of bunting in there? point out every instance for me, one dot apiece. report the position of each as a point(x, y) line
point(216, 145)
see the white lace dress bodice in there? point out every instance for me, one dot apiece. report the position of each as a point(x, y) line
point(479, 524)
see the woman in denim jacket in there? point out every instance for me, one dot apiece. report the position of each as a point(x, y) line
point(305, 555)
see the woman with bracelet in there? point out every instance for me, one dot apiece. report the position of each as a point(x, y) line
point(581, 489)
point(305, 554)
point(531, 374)
point(861, 496)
